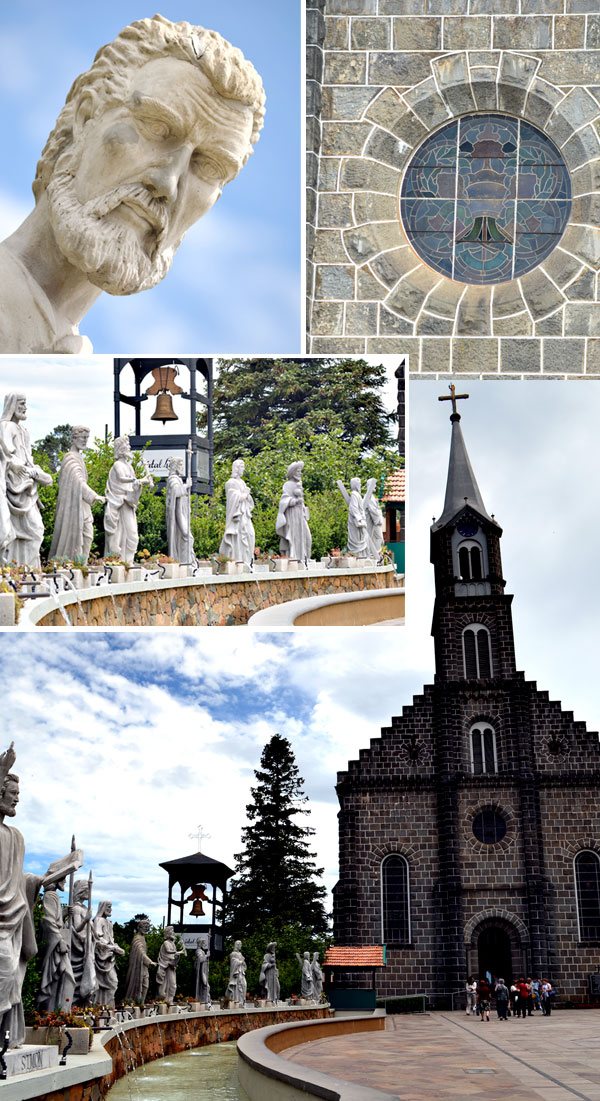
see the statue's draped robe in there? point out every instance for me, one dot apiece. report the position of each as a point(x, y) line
point(202, 986)
point(295, 540)
point(180, 541)
point(17, 936)
point(82, 957)
point(237, 544)
point(73, 512)
point(22, 496)
point(358, 543)
point(306, 984)
point(374, 517)
point(166, 975)
point(236, 991)
point(269, 977)
point(57, 974)
point(105, 955)
point(138, 975)
point(120, 522)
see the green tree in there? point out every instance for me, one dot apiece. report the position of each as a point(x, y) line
point(253, 395)
point(54, 445)
point(276, 877)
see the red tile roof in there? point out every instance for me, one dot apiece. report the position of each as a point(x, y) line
point(337, 956)
point(395, 485)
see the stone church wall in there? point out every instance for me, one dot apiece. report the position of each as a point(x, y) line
point(382, 76)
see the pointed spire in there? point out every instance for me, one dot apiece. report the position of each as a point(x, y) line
point(461, 486)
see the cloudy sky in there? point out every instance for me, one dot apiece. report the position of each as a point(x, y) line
point(68, 390)
point(234, 286)
point(132, 739)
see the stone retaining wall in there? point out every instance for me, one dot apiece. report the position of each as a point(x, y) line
point(383, 75)
point(222, 603)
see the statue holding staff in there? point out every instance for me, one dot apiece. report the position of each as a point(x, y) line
point(180, 541)
point(236, 990)
point(291, 525)
point(105, 955)
point(306, 982)
point(358, 542)
point(138, 971)
point(202, 984)
point(166, 972)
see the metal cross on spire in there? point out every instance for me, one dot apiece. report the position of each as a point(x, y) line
point(199, 834)
point(453, 397)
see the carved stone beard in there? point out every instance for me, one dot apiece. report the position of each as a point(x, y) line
point(110, 255)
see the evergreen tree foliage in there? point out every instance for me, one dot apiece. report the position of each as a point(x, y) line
point(275, 880)
point(251, 396)
point(54, 445)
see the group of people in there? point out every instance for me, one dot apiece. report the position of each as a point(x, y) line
point(521, 999)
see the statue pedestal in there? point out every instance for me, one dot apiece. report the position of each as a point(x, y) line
point(23, 1060)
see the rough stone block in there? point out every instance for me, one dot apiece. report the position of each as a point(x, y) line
point(582, 319)
point(468, 34)
point(593, 357)
point(337, 34)
point(390, 324)
point(474, 354)
point(550, 326)
point(344, 138)
point(571, 67)
point(314, 63)
point(474, 312)
point(364, 242)
point(586, 178)
point(563, 356)
point(444, 298)
point(396, 345)
point(435, 356)
point(402, 7)
point(511, 32)
point(389, 111)
point(411, 33)
point(541, 295)
point(329, 168)
point(345, 68)
point(542, 98)
point(392, 266)
point(581, 147)
point(494, 7)
point(384, 147)
point(569, 32)
point(483, 84)
point(545, 7)
point(338, 346)
point(361, 319)
point(371, 34)
point(520, 355)
point(334, 281)
point(315, 27)
point(429, 324)
point(375, 208)
point(399, 68)
point(427, 103)
point(586, 208)
point(447, 7)
point(335, 210)
point(352, 7)
point(329, 247)
point(408, 296)
point(368, 287)
point(327, 319)
point(518, 325)
point(365, 175)
point(507, 299)
point(583, 288)
point(561, 267)
point(581, 6)
point(346, 103)
point(593, 32)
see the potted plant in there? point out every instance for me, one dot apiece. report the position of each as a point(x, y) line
point(168, 568)
point(116, 569)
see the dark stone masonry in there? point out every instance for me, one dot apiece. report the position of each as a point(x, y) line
point(470, 830)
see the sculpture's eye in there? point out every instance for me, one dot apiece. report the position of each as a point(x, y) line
point(209, 169)
point(152, 127)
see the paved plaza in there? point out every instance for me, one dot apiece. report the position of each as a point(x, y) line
point(451, 1056)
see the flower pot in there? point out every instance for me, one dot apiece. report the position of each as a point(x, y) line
point(168, 570)
point(281, 565)
point(82, 1040)
point(134, 573)
point(116, 574)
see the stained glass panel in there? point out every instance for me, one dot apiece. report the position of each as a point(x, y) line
point(485, 199)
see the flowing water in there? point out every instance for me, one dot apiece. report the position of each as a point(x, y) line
point(204, 1074)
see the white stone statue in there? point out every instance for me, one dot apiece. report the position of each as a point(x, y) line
point(166, 116)
point(21, 526)
point(202, 983)
point(291, 524)
point(236, 990)
point(358, 540)
point(105, 955)
point(238, 542)
point(306, 981)
point(166, 972)
point(57, 983)
point(317, 977)
point(73, 524)
point(18, 893)
point(83, 951)
point(123, 490)
point(375, 520)
point(138, 971)
point(180, 541)
point(269, 975)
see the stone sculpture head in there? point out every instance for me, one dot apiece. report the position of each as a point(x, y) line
point(175, 465)
point(237, 945)
point(294, 470)
point(169, 932)
point(81, 890)
point(237, 468)
point(122, 447)
point(167, 114)
point(15, 407)
point(79, 436)
point(105, 909)
point(9, 795)
point(143, 926)
point(355, 484)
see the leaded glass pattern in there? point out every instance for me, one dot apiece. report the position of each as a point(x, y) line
point(395, 900)
point(587, 881)
point(485, 199)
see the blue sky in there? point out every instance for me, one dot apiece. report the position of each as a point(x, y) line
point(235, 284)
point(132, 738)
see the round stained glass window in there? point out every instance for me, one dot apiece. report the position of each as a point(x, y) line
point(485, 199)
point(489, 826)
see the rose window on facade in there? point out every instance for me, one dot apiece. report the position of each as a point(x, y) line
point(485, 199)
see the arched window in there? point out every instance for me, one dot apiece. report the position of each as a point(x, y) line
point(395, 900)
point(483, 749)
point(477, 652)
point(587, 889)
point(470, 562)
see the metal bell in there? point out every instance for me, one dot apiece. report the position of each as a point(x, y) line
point(197, 910)
point(164, 409)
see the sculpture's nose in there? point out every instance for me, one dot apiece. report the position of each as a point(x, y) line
point(164, 177)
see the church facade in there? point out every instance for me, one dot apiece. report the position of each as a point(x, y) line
point(470, 830)
point(452, 183)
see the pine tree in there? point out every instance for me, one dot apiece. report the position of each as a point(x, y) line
point(275, 879)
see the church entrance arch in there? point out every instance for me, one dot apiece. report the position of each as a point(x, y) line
point(496, 945)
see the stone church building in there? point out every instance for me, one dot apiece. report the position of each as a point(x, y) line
point(452, 183)
point(470, 830)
